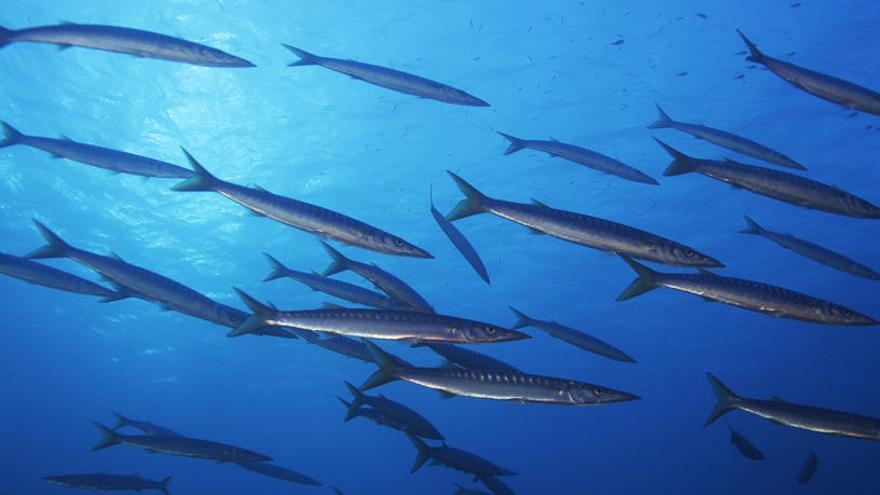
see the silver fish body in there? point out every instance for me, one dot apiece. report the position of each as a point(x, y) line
point(314, 219)
point(746, 294)
point(129, 41)
point(815, 419)
point(35, 273)
point(395, 80)
point(813, 251)
point(279, 472)
point(336, 288)
point(410, 326)
point(113, 160)
point(412, 421)
point(727, 140)
point(397, 289)
point(460, 242)
point(574, 337)
point(776, 184)
point(108, 482)
point(453, 458)
point(581, 156)
point(507, 386)
point(830, 88)
point(180, 446)
point(585, 230)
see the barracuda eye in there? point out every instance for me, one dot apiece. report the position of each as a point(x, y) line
point(398, 243)
point(598, 391)
point(490, 330)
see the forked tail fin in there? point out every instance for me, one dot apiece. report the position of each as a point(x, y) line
point(203, 181)
point(388, 367)
point(663, 121)
point(423, 451)
point(305, 58)
point(472, 204)
point(646, 280)
point(726, 399)
point(681, 163)
point(516, 143)
point(109, 439)
point(55, 246)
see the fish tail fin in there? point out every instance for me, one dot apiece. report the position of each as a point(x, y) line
point(726, 399)
point(278, 269)
point(388, 367)
point(755, 55)
point(471, 205)
point(516, 143)
point(752, 227)
point(55, 246)
point(120, 292)
point(163, 485)
point(357, 399)
point(521, 319)
point(681, 163)
point(422, 454)
point(203, 181)
point(120, 421)
point(11, 135)
point(305, 58)
point(109, 439)
point(350, 410)
point(663, 120)
point(339, 263)
point(646, 280)
point(257, 320)
point(5, 35)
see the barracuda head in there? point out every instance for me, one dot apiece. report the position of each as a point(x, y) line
point(217, 58)
point(585, 394)
point(685, 256)
point(483, 333)
point(835, 314)
point(392, 244)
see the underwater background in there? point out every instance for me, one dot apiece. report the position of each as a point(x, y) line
point(548, 69)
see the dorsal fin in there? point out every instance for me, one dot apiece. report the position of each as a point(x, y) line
point(538, 203)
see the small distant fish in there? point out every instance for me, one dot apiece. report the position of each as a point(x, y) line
point(372, 415)
point(746, 294)
point(813, 251)
point(830, 88)
point(35, 273)
point(510, 386)
point(727, 140)
point(618, 42)
point(460, 490)
point(794, 5)
point(410, 326)
point(109, 482)
point(469, 359)
point(808, 470)
point(581, 156)
point(460, 242)
point(113, 160)
point(776, 184)
point(392, 79)
point(744, 446)
point(146, 427)
point(682, 74)
point(412, 421)
point(739, 76)
point(279, 472)
point(300, 215)
point(810, 418)
point(124, 40)
point(181, 446)
point(496, 486)
point(703, 16)
point(580, 229)
point(327, 285)
point(457, 459)
point(397, 289)
point(574, 337)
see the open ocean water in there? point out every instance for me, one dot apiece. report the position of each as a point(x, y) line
point(584, 72)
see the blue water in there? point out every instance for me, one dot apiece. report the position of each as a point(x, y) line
point(548, 69)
